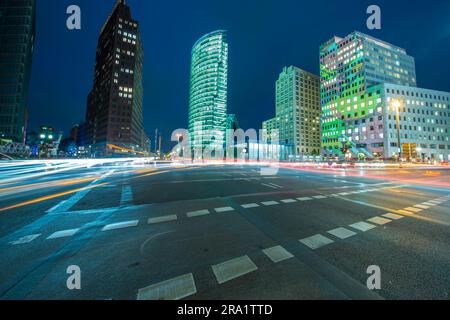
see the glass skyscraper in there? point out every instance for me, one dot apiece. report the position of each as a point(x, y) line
point(208, 92)
point(17, 33)
point(350, 67)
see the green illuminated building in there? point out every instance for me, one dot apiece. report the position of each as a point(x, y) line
point(350, 70)
point(208, 92)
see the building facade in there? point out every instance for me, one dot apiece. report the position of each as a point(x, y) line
point(297, 100)
point(114, 119)
point(17, 34)
point(350, 67)
point(208, 93)
point(424, 123)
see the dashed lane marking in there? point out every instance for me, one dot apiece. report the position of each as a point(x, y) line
point(304, 199)
point(277, 254)
point(269, 203)
point(393, 216)
point(127, 195)
point(172, 289)
point(317, 241)
point(404, 212)
point(249, 205)
point(25, 239)
point(362, 226)
point(430, 204)
point(120, 225)
point(319, 197)
point(379, 220)
point(413, 209)
point(268, 185)
point(223, 209)
point(63, 234)
point(421, 206)
point(342, 233)
point(197, 213)
point(233, 269)
point(288, 200)
point(170, 217)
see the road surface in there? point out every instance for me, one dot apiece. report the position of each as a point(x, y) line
point(223, 232)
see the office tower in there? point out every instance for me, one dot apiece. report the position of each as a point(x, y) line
point(17, 34)
point(349, 67)
point(297, 110)
point(208, 92)
point(424, 124)
point(114, 120)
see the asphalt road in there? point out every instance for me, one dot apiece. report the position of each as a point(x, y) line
point(225, 232)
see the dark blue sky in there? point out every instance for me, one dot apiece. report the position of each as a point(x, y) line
point(264, 36)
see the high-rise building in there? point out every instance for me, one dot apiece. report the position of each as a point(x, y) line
point(17, 33)
point(208, 92)
point(349, 67)
point(114, 120)
point(297, 119)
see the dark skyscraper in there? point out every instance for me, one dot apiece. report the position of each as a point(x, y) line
point(17, 32)
point(114, 108)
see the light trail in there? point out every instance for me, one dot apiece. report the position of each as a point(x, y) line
point(56, 195)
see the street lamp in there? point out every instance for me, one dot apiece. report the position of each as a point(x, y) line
point(396, 103)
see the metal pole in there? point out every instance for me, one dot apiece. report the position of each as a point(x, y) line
point(398, 135)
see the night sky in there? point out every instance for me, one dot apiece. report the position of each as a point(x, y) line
point(264, 36)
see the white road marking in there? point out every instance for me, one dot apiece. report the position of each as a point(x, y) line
point(288, 200)
point(393, 216)
point(63, 234)
point(66, 205)
point(404, 212)
point(249, 205)
point(421, 206)
point(275, 185)
point(268, 185)
point(304, 199)
point(223, 209)
point(319, 197)
point(344, 193)
point(413, 209)
point(127, 195)
point(197, 213)
point(316, 241)
point(379, 220)
point(269, 203)
point(342, 233)
point(362, 226)
point(26, 239)
point(170, 217)
point(277, 254)
point(120, 225)
point(430, 204)
point(233, 269)
point(172, 289)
